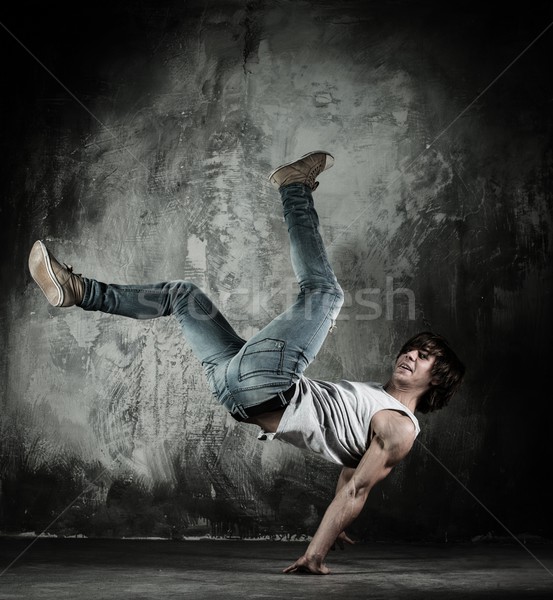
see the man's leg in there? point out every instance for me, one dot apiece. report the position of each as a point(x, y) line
point(240, 375)
point(210, 336)
point(277, 355)
point(206, 330)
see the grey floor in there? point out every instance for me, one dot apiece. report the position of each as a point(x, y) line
point(94, 569)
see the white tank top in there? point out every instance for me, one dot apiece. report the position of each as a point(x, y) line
point(333, 419)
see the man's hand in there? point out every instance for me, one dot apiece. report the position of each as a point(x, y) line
point(313, 565)
point(341, 540)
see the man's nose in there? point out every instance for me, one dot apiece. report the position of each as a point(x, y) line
point(412, 355)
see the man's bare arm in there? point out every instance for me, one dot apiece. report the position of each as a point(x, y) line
point(393, 438)
point(345, 475)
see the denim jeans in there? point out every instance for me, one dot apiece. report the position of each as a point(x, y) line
point(244, 374)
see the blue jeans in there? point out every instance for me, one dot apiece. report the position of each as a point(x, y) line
point(245, 374)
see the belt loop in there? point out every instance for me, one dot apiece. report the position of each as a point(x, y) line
point(238, 408)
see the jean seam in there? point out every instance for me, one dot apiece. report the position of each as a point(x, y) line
point(305, 349)
point(227, 386)
point(329, 273)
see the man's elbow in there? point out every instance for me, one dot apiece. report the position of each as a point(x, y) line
point(358, 490)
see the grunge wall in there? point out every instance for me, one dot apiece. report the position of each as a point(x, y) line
point(136, 142)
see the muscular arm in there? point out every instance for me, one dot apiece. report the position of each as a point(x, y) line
point(345, 475)
point(393, 438)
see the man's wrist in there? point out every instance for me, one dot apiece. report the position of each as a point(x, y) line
point(316, 557)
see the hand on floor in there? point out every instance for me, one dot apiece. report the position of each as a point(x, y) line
point(314, 566)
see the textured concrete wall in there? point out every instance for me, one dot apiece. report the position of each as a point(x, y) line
point(146, 160)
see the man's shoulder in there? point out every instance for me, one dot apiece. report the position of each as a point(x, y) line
point(393, 423)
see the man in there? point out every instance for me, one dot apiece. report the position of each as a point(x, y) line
point(365, 427)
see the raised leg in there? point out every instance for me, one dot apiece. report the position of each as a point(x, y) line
point(241, 375)
point(278, 354)
point(209, 334)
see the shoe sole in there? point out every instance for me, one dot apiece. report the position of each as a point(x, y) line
point(46, 259)
point(328, 163)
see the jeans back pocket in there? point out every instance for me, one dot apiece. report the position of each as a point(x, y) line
point(264, 356)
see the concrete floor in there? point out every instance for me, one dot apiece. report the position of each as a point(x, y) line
point(83, 569)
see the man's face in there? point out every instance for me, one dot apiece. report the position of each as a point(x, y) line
point(413, 370)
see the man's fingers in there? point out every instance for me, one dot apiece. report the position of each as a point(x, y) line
point(348, 540)
point(304, 567)
point(290, 569)
point(343, 537)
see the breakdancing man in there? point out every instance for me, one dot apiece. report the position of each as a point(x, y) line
point(368, 428)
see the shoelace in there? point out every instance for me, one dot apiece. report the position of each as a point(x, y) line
point(310, 179)
point(70, 269)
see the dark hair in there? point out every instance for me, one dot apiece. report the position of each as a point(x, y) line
point(447, 370)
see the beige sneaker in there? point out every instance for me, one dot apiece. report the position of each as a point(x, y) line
point(58, 282)
point(304, 170)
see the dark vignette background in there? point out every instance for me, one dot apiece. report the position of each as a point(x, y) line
point(112, 407)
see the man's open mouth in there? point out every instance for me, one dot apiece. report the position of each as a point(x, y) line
point(406, 367)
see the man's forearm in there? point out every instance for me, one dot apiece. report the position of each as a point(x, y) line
point(339, 515)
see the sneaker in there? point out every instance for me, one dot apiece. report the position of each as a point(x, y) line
point(60, 285)
point(303, 170)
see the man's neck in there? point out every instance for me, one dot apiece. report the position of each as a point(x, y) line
point(408, 398)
